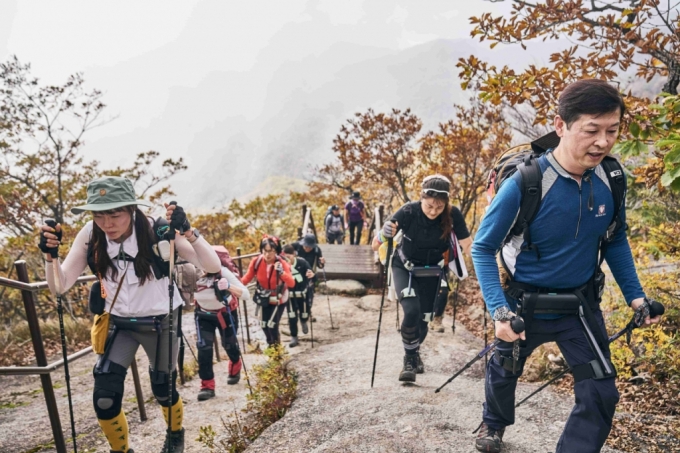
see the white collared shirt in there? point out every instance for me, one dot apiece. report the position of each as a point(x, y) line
point(134, 299)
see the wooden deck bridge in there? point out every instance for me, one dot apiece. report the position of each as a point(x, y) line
point(355, 262)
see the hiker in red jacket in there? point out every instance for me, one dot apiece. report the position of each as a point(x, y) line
point(273, 280)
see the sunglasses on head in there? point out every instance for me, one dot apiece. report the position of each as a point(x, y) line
point(434, 192)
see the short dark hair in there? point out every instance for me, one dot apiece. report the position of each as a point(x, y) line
point(273, 242)
point(288, 249)
point(589, 97)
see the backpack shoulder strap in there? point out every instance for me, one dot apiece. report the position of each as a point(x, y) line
point(617, 182)
point(618, 185)
point(531, 177)
point(257, 264)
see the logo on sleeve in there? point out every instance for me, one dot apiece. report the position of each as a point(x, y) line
point(601, 211)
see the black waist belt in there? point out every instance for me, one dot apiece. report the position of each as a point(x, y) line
point(145, 324)
point(553, 303)
point(426, 271)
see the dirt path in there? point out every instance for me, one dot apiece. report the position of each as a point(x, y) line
point(336, 410)
point(25, 428)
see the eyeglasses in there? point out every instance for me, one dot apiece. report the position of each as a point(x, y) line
point(434, 192)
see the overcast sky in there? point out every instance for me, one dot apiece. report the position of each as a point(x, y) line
point(145, 55)
point(59, 37)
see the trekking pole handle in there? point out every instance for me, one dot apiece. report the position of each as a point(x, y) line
point(517, 324)
point(54, 253)
point(656, 309)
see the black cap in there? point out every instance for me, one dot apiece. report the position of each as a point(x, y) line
point(308, 240)
point(334, 207)
point(356, 195)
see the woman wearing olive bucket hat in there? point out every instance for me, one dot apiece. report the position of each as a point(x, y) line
point(121, 246)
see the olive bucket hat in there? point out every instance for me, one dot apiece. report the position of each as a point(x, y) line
point(109, 192)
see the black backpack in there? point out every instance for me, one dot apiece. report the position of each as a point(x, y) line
point(522, 158)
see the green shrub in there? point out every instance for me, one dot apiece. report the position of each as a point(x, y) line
point(272, 395)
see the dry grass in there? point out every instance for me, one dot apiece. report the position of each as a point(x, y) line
point(15, 341)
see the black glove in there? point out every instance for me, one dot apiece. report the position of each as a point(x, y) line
point(178, 220)
point(53, 251)
point(221, 294)
point(279, 268)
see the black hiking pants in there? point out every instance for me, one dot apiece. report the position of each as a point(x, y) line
point(271, 318)
point(591, 418)
point(206, 323)
point(297, 309)
point(355, 226)
point(417, 309)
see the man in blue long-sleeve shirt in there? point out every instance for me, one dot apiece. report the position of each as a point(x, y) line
point(576, 209)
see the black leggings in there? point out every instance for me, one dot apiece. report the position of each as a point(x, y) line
point(414, 326)
point(297, 308)
point(206, 325)
point(358, 226)
point(442, 299)
point(271, 318)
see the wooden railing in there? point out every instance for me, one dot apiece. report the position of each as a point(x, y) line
point(44, 370)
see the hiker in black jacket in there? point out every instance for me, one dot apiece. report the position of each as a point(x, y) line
point(298, 307)
point(308, 250)
point(431, 231)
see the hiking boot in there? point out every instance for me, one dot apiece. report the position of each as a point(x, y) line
point(436, 324)
point(420, 366)
point(293, 342)
point(408, 373)
point(174, 442)
point(489, 440)
point(305, 326)
point(205, 394)
point(234, 372)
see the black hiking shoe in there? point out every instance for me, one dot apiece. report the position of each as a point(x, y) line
point(489, 440)
point(420, 366)
point(205, 394)
point(174, 442)
point(408, 373)
point(293, 342)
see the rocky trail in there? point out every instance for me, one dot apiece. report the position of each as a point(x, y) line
point(336, 409)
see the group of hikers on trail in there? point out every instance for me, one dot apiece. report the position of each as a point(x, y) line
point(556, 214)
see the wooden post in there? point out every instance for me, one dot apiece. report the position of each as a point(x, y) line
point(138, 390)
point(41, 358)
point(216, 346)
point(245, 307)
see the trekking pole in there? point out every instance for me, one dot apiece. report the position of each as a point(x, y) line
point(240, 322)
point(180, 359)
point(655, 309)
point(517, 325)
point(311, 325)
point(222, 294)
point(190, 348)
point(382, 303)
point(486, 338)
point(171, 294)
point(455, 306)
point(328, 298)
point(62, 332)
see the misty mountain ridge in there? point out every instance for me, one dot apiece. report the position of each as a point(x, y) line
point(305, 103)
